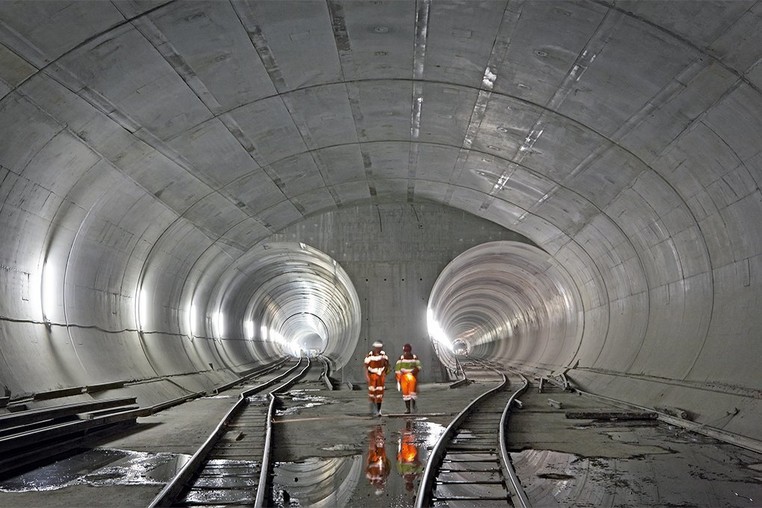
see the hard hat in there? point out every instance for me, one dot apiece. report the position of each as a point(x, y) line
point(378, 344)
point(407, 347)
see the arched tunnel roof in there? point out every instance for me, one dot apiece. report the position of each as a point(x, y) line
point(148, 151)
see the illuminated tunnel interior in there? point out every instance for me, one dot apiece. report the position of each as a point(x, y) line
point(506, 300)
point(191, 189)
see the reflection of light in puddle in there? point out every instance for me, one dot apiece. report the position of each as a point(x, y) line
point(300, 400)
point(428, 433)
point(316, 481)
point(340, 448)
point(99, 467)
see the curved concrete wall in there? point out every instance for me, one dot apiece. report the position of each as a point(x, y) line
point(507, 300)
point(146, 148)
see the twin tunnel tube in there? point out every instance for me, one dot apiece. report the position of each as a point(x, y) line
point(496, 300)
point(219, 315)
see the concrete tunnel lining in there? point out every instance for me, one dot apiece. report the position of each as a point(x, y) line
point(144, 151)
point(509, 300)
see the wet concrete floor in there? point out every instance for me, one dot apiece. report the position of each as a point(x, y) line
point(572, 462)
point(330, 452)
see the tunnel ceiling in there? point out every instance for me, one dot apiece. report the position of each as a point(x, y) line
point(145, 146)
point(543, 116)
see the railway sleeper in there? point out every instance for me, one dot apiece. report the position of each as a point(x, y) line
point(219, 497)
point(455, 456)
point(471, 466)
point(473, 449)
point(477, 493)
point(472, 504)
point(468, 477)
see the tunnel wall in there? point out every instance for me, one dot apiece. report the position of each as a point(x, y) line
point(79, 238)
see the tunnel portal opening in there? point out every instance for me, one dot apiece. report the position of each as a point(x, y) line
point(311, 344)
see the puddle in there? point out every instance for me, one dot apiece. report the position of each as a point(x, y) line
point(427, 433)
point(299, 400)
point(98, 468)
point(386, 473)
point(340, 448)
point(316, 481)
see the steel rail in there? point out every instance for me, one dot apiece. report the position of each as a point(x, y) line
point(175, 486)
point(326, 376)
point(439, 450)
point(264, 471)
point(459, 382)
point(506, 459)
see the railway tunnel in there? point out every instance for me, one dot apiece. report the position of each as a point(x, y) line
point(190, 190)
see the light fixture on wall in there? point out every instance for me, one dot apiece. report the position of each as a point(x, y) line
point(219, 324)
point(48, 291)
point(435, 330)
point(142, 308)
point(192, 320)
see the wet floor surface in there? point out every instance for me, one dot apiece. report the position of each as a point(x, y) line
point(99, 468)
point(362, 460)
point(330, 452)
point(571, 462)
point(387, 473)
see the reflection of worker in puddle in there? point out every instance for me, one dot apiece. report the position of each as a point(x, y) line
point(408, 462)
point(378, 466)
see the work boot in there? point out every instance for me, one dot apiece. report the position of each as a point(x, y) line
point(373, 409)
point(415, 408)
point(407, 407)
point(378, 408)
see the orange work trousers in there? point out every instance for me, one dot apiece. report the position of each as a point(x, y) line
point(408, 385)
point(376, 387)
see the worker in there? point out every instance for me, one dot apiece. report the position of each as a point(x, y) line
point(406, 371)
point(377, 367)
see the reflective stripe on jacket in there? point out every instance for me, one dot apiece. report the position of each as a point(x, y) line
point(377, 363)
point(407, 365)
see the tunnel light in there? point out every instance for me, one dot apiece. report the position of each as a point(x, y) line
point(49, 296)
point(248, 329)
point(142, 308)
point(436, 332)
point(192, 320)
point(219, 324)
point(264, 331)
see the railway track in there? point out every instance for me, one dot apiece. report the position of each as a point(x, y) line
point(34, 437)
point(232, 467)
point(469, 466)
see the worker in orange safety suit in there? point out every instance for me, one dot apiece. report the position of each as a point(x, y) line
point(406, 371)
point(377, 366)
